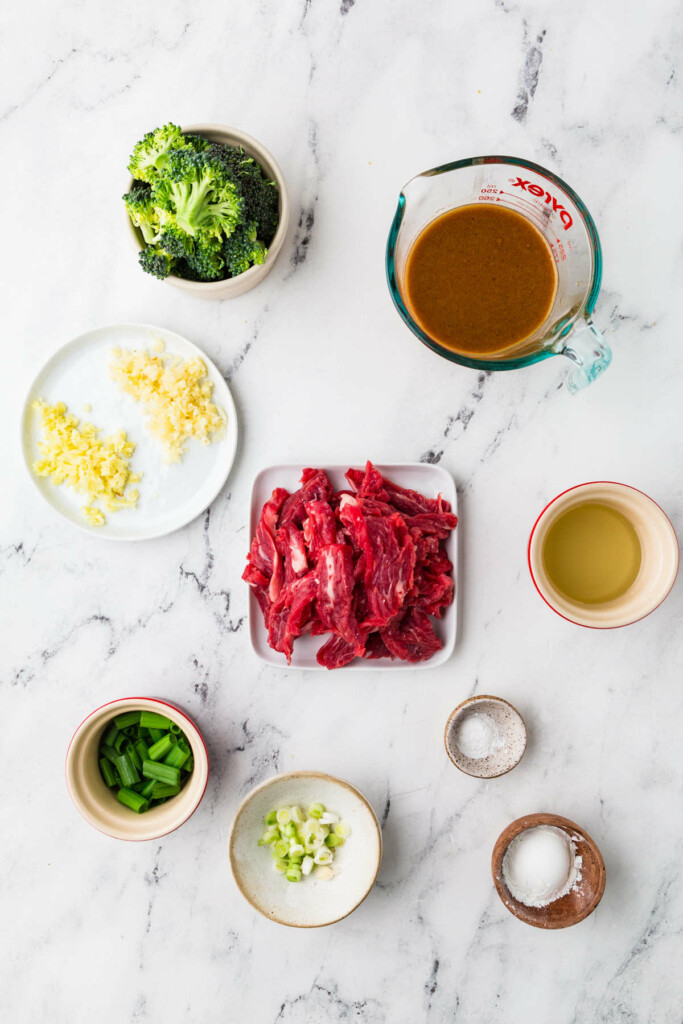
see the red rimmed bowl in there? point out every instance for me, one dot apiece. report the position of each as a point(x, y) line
point(98, 804)
point(659, 555)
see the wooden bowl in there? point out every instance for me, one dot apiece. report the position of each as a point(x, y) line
point(576, 904)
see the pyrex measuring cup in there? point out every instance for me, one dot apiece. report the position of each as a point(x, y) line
point(568, 228)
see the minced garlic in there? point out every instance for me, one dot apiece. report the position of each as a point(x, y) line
point(176, 394)
point(96, 467)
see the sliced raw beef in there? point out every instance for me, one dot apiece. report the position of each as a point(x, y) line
point(290, 612)
point(314, 486)
point(289, 541)
point(335, 594)
point(320, 527)
point(367, 567)
point(411, 636)
point(336, 653)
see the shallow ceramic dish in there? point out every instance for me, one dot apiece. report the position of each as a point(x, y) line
point(234, 286)
point(170, 495)
point(511, 731)
point(580, 901)
point(419, 476)
point(98, 804)
point(311, 902)
point(659, 552)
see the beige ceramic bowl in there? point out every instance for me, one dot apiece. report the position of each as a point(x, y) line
point(309, 903)
point(234, 286)
point(511, 737)
point(575, 905)
point(658, 568)
point(97, 803)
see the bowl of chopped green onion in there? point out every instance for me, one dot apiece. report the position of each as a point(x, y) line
point(137, 768)
point(305, 849)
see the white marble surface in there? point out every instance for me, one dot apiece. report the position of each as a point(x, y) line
point(353, 98)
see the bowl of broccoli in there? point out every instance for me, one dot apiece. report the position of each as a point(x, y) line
point(207, 209)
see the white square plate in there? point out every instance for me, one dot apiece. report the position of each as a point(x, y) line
point(428, 480)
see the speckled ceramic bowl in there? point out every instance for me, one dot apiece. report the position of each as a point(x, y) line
point(98, 804)
point(511, 732)
point(311, 902)
point(575, 905)
point(234, 286)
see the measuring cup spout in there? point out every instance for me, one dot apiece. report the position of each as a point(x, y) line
point(589, 352)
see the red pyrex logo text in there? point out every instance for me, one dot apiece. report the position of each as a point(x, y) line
point(536, 190)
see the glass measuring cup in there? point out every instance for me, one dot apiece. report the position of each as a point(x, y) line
point(565, 223)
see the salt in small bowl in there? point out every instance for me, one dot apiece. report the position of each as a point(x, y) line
point(511, 733)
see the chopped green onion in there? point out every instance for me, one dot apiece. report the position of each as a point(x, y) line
point(111, 753)
point(162, 790)
point(148, 788)
point(343, 830)
point(127, 770)
point(316, 810)
point(107, 772)
point(307, 865)
point(129, 798)
point(334, 840)
point(175, 729)
point(152, 720)
point(155, 734)
point(127, 718)
point(189, 764)
point(283, 816)
point(161, 772)
point(176, 756)
point(281, 849)
point(280, 866)
point(296, 815)
point(159, 750)
point(323, 856)
point(289, 830)
point(110, 735)
point(142, 750)
point(133, 755)
point(271, 819)
point(293, 874)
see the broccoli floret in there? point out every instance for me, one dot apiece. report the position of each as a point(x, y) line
point(154, 260)
point(198, 194)
point(206, 262)
point(261, 196)
point(176, 242)
point(142, 211)
point(151, 154)
point(242, 249)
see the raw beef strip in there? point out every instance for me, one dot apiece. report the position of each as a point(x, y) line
point(335, 593)
point(411, 637)
point(376, 648)
point(389, 561)
point(320, 527)
point(264, 558)
point(289, 541)
point(412, 503)
point(290, 612)
point(439, 524)
point(336, 653)
point(434, 588)
point(314, 486)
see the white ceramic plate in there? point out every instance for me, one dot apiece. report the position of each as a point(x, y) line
point(430, 481)
point(309, 903)
point(171, 495)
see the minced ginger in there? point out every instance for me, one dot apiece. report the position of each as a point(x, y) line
point(176, 394)
point(77, 456)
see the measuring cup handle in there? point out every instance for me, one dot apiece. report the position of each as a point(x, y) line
point(590, 353)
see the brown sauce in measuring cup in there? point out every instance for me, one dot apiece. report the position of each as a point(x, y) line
point(480, 279)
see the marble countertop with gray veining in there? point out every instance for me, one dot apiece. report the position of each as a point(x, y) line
point(353, 98)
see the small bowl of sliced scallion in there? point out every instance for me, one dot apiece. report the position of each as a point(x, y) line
point(137, 768)
point(305, 849)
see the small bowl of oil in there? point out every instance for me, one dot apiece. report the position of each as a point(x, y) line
point(603, 554)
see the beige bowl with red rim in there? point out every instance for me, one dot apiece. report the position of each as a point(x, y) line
point(659, 555)
point(98, 804)
point(242, 283)
point(311, 902)
point(582, 898)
